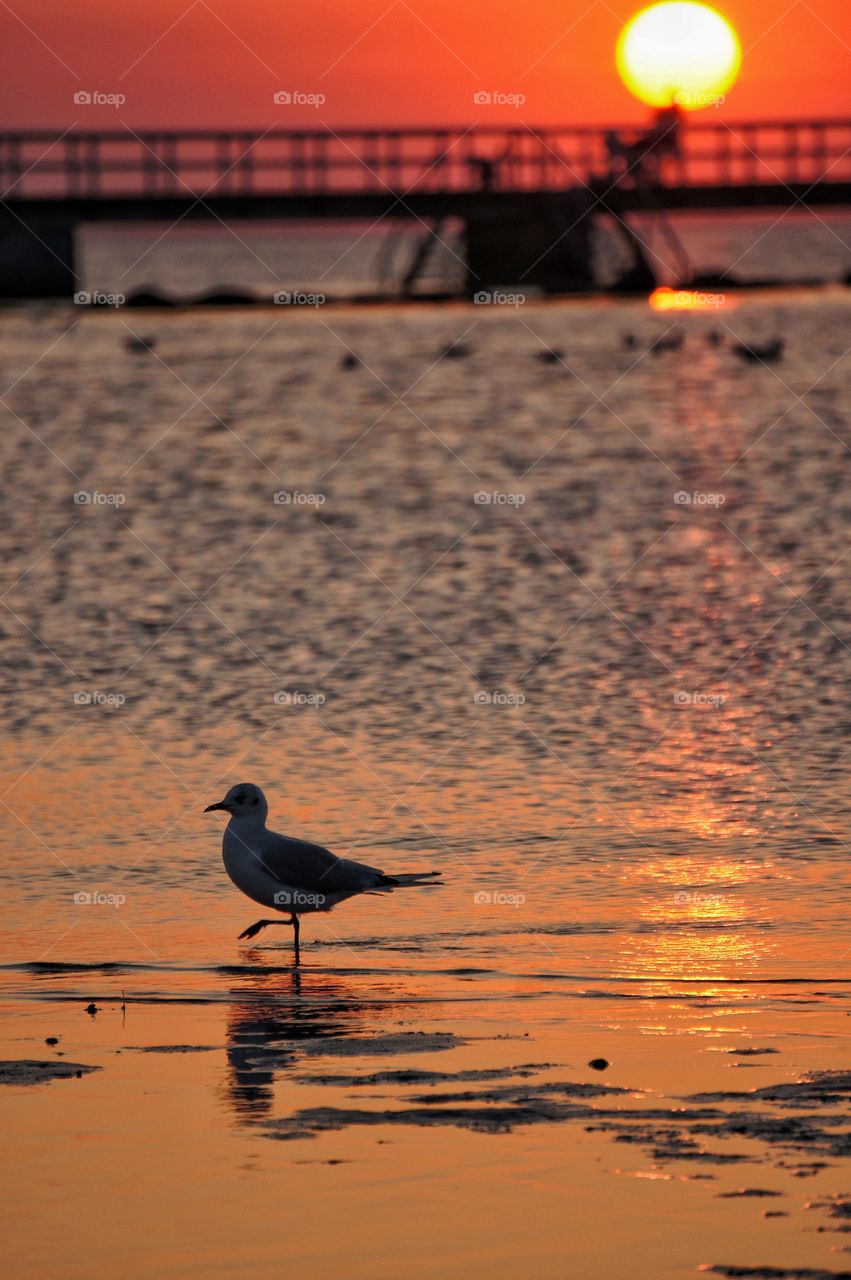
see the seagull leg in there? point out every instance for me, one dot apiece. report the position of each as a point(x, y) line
point(254, 929)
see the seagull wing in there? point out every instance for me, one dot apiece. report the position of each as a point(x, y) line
point(302, 865)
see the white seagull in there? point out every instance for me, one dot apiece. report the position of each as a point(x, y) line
point(289, 875)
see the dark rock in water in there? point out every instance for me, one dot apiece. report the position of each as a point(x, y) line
point(225, 298)
point(29, 1071)
point(598, 1064)
point(149, 298)
point(91, 1008)
point(350, 361)
point(52, 1040)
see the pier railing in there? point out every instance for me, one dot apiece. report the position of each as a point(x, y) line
point(121, 163)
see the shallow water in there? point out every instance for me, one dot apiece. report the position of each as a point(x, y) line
point(643, 825)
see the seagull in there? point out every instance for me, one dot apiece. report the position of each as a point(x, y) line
point(550, 355)
point(768, 353)
point(133, 342)
point(290, 875)
point(672, 343)
point(455, 351)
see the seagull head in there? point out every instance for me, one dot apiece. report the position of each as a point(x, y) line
point(244, 801)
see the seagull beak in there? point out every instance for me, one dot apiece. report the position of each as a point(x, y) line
point(220, 805)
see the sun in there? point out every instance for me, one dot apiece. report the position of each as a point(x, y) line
point(679, 52)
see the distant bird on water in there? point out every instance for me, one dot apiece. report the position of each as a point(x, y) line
point(139, 344)
point(768, 353)
point(455, 351)
point(289, 875)
point(550, 355)
point(350, 361)
point(671, 342)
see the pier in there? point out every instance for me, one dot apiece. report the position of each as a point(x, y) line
point(527, 197)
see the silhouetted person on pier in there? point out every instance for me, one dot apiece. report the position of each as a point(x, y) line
point(663, 140)
point(488, 168)
point(641, 158)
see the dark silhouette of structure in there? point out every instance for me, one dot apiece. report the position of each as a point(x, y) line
point(528, 198)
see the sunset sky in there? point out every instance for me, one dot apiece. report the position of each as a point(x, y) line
point(387, 61)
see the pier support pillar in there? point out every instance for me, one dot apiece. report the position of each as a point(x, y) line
point(542, 243)
point(36, 256)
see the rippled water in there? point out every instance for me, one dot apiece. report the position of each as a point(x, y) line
point(627, 708)
point(615, 719)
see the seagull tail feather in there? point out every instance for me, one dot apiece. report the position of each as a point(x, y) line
point(410, 879)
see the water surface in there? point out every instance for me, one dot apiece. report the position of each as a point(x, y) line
point(614, 719)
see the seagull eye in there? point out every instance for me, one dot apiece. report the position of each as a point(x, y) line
point(240, 799)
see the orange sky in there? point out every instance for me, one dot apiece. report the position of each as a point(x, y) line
point(219, 62)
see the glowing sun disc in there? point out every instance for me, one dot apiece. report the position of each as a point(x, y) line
point(678, 51)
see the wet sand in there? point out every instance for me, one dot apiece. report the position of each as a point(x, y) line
point(450, 1132)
